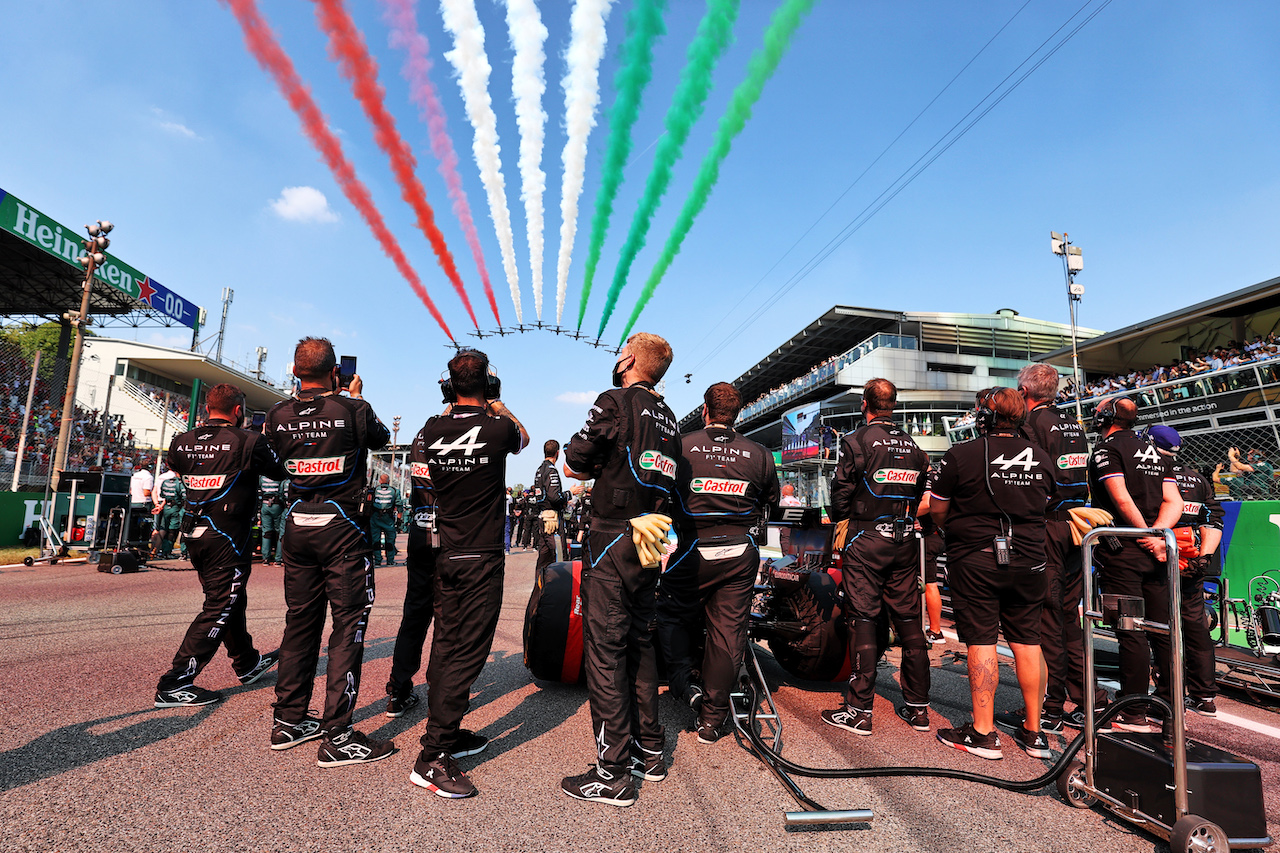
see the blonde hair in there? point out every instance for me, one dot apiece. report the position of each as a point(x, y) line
point(653, 355)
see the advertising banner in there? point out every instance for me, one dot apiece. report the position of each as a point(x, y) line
point(801, 433)
point(24, 221)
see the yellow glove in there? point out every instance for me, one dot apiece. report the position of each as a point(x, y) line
point(550, 521)
point(649, 533)
point(1085, 518)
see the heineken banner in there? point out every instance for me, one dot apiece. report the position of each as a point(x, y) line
point(22, 220)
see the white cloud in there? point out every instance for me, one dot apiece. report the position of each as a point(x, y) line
point(303, 204)
point(581, 398)
point(168, 125)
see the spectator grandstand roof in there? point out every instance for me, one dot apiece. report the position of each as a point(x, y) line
point(39, 276)
point(1239, 315)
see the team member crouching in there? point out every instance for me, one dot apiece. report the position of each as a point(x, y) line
point(989, 497)
point(220, 464)
point(631, 447)
point(465, 450)
point(727, 486)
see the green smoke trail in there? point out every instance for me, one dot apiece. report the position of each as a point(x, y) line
point(715, 33)
point(776, 41)
point(644, 26)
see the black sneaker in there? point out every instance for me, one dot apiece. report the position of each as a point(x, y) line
point(1034, 744)
point(186, 697)
point(288, 735)
point(934, 637)
point(397, 705)
point(1133, 721)
point(694, 694)
point(352, 747)
point(967, 739)
point(596, 787)
point(850, 719)
point(916, 716)
point(443, 777)
point(710, 732)
point(1050, 724)
point(1202, 705)
point(468, 743)
point(266, 663)
point(1075, 719)
point(650, 768)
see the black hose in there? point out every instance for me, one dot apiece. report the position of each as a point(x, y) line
point(780, 765)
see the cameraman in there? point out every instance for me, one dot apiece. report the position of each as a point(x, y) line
point(989, 498)
point(325, 439)
point(549, 500)
point(465, 451)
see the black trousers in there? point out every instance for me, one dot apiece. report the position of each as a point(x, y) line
point(419, 604)
point(721, 586)
point(1197, 645)
point(1132, 571)
point(468, 600)
point(880, 574)
point(326, 563)
point(545, 543)
point(1061, 637)
point(526, 528)
point(619, 614)
point(224, 576)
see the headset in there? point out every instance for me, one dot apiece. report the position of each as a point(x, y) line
point(984, 417)
point(1104, 415)
point(492, 384)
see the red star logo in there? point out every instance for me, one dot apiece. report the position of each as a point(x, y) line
point(146, 291)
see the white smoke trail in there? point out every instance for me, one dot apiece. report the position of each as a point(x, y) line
point(581, 97)
point(472, 65)
point(528, 84)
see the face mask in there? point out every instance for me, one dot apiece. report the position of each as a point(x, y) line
point(618, 370)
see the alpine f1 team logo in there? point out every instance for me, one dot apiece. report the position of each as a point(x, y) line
point(1024, 460)
point(316, 467)
point(1148, 454)
point(896, 475)
point(652, 460)
point(204, 482)
point(1073, 460)
point(710, 486)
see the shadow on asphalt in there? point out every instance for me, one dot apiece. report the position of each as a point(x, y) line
point(76, 745)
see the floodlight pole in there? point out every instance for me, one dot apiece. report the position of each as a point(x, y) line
point(1072, 263)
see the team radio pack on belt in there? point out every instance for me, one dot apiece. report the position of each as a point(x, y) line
point(1195, 796)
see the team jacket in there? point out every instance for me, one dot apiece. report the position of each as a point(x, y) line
point(172, 492)
point(220, 465)
point(1144, 470)
point(727, 484)
point(1200, 506)
point(630, 445)
point(385, 499)
point(881, 474)
point(1064, 440)
point(547, 493)
point(272, 491)
point(323, 439)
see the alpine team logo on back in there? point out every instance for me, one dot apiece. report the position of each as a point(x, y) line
point(316, 467)
point(1148, 454)
point(896, 475)
point(652, 460)
point(708, 485)
point(1023, 460)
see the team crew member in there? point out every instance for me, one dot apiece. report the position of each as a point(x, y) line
point(727, 485)
point(324, 439)
point(172, 494)
point(465, 451)
point(549, 500)
point(387, 506)
point(272, 492)
point(1131, 480)
point(631, 447)
point(877, 486)
point(989, 497)
point(141, 484)
point(935, 568)
point(1061, 637)
point(1201, 512)
point(220, 464)
point(419, 594)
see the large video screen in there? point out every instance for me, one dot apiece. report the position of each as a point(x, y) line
point(801, 433)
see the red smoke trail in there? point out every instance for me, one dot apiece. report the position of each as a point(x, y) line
point(266, 50)
point(347, 46)
point(403, 19)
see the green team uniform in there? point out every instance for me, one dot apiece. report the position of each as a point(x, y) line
point(272, 493)
point(387, 504)
point(173, 494)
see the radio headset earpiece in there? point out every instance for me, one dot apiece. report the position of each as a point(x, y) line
point(984, 417)
point(1104, 415)
point(492, 384)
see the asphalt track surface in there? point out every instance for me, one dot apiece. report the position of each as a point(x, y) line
point(87, 764)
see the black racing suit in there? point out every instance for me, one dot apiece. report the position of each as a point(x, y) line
point(219, 465)
point(324, 440)
point(877, 487)
point(547, 495)
point(631, 447)
point(466, 456)
point(1131, 570)
point(727, 485)
point(1061, 637)
point(420, 566)
point(1200, 509)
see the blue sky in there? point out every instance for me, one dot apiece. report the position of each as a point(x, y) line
point(1151, 137)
